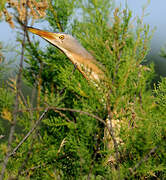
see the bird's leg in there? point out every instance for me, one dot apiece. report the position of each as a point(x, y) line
point(112, 140)
point(111, 136)
point(75, 66)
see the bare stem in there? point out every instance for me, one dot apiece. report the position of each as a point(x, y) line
point(29, 133)
point(55, 16)
point(23, 166)
point(43, 114)
point(66, 109)
point(144, 159)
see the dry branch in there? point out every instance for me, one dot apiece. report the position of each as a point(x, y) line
point(144, 159)
point(66, 109)
point(29, 133)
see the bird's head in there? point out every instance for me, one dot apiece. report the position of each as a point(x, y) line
point(78, 55)
point(63, 41)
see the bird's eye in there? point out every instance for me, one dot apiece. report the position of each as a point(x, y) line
point(62, 37)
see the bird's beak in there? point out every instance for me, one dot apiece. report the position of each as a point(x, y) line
point(49, 36)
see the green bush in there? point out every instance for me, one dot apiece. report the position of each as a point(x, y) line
point(69, 143)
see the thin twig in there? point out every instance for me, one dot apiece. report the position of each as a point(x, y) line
point(29, 133)
point(31, 169)
point(62, 115)
point(26, 159)
point(71, 110)
point(22, 98)
point(52, 9)
point(65, 109)
point(39, 85)
point(81, 112)
point(144, 159)
point(18, 85)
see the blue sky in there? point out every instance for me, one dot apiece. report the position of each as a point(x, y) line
point(156, 11)
point(157, 14)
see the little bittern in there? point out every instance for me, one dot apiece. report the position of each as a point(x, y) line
point(77, 54)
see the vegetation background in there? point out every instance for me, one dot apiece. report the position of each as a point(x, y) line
point(64, 114)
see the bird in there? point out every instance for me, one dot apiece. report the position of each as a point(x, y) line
point(77, 54)
point(83, 61)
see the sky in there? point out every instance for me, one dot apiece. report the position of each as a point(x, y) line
point(156, 11)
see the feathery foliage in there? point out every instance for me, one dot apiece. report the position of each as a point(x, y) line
point(69, 142)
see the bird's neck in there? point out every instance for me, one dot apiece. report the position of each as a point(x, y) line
point(86, 64)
